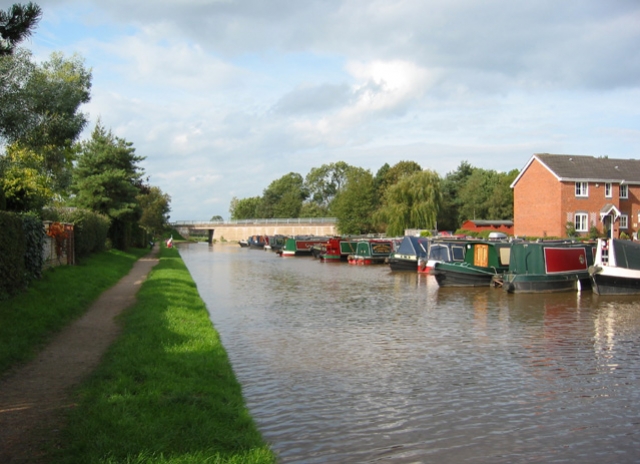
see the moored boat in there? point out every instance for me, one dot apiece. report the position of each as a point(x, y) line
point(616, 268)
point(257, 242)
point(406, 256)
point(371, 251)
point(442, 250)
point(275, 242)
point(482, 262)
point(338, 249)
point(554, 266)
point(300, 245)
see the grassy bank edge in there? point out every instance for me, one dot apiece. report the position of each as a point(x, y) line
point(29, 320)
point(165, 391)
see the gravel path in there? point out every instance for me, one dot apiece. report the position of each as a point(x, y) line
point(34, 397)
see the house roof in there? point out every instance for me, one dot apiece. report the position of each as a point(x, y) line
point(572, 168)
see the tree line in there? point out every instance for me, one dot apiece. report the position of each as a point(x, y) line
point(395, 198)
point(43, 164)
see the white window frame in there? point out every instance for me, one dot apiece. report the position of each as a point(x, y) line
point(624, 191)
point(624, 221)
point(581, 222)
point(582, 189)
point(608, 190)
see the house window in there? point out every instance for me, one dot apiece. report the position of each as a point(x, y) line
point(624, 191)
point(608, 190)
point(581, 222)
point(624, 221)
point(582, 189)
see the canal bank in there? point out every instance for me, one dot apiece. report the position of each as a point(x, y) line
point(163, 392)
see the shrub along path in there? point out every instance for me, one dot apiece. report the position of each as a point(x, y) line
point(33, 399)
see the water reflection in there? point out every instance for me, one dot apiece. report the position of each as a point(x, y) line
point(347, 363)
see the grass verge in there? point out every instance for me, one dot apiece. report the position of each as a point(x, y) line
point(30, 319)
point(165, 391)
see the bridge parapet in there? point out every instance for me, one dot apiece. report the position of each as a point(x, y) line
point(241, 229)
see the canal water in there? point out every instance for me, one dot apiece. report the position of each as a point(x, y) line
point(350, 364)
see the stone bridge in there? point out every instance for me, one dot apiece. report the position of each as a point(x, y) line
point(233, 231)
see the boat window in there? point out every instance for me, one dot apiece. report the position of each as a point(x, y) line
point(458, 252)
point(439, 252)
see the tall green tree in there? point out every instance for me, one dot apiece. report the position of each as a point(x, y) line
point(283, 198)
point(449, 214)
point(487, 195)
point(354, 205)
point(16, 24)
point(155, 206)
point(325, 182)
point(412, 203)
point(107, 180)
point(245, 208)
point(392, 175)
point(39, 111)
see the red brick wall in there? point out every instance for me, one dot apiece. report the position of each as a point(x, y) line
point(536, 205)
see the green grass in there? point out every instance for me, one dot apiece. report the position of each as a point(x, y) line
point(30, 319)
point(165, 392)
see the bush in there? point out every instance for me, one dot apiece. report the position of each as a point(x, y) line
point(12, 255)
point(34, 238)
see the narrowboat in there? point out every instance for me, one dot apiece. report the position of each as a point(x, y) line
point(371, 251)
point(275, 242)
point(442, 250)
point(616, 268)
point(536, 267)
point(301, 245)
point(257, 242)
point(338, 249)
point(483, 261)
point(410, 250)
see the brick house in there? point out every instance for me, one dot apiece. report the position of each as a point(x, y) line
point(553, 190)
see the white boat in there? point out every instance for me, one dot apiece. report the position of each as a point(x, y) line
point(616, 268)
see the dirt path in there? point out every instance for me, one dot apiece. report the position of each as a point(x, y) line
point(34, 397)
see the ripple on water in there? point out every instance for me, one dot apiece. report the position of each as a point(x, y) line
point(345, 364)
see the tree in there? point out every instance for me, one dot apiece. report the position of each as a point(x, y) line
point(245, 208)
point(16, 24)
point(39, 110)
point(325, 182)
point(24, 185)
point(283, 197)
point(107, 179)
point(155, 207)
point(388, 176)
point(216, 218)
point(354, 205)
point(449, 215)
point(486, 195)
point(500, 202)
point(412, 203)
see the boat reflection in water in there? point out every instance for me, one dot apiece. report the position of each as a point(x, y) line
point(346, 364)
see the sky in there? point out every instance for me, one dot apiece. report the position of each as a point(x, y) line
point(222, 97)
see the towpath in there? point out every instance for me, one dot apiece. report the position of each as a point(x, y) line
point(34, 397)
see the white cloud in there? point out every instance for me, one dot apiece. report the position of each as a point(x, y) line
point(223, 97)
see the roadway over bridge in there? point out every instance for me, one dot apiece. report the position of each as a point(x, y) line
point(233, 231)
